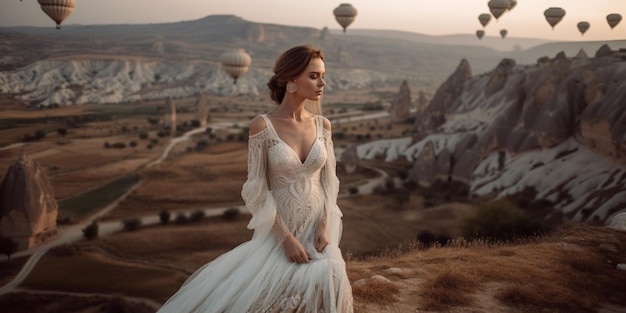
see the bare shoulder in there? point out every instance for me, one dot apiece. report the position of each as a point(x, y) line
point(326, 123)
point(257, 125)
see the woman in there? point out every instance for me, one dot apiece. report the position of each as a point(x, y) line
point(293, 262)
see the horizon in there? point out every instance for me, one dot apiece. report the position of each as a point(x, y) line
point(526, 20)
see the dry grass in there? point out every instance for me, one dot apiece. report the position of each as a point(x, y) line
point(570, 271)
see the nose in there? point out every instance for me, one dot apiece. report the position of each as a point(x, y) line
point(322, 83)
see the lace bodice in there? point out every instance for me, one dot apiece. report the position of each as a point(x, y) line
point(299, 188)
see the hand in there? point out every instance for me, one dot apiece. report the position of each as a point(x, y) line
point(321, 237)
point(294, 250)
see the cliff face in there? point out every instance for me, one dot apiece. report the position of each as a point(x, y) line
point(558, 127)
point(28, 210)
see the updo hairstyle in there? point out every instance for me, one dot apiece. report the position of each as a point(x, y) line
point(289, 66)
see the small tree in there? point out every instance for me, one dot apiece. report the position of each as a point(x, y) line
point(153, 121)
point(197, 216)
point(131, 224)
point(165, 217)
point(230, 214)
point(8, 246)
point(62, 131)
point(181, 218)
point(91, 230)
point(40, 134)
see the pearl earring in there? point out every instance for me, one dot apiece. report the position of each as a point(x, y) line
point(291, 87)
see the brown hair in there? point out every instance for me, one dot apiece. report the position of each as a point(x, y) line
point(289, 66)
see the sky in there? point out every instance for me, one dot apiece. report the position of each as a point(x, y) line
point(431, 17)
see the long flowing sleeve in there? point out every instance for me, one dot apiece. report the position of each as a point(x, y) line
point(330, 184)
point(256, 193)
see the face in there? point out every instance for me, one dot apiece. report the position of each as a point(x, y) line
point(311, 82)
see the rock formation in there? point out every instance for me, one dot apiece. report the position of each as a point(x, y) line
point(446, 98)
point(400, 107)
point(350, 159)
point(202, 109)
point(169, 117)
point(558, 127)
point(28, 209)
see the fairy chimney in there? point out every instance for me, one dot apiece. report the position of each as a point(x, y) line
point(400, 108)
point(169, 119)
point(350, 159)
point(28, 209)
point(202, 109)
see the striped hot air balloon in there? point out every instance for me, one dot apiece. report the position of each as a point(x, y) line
point(554, 15)
point(583, 27)
point(57, 10)
point(345, 14)
point(498, 7)
point(484, 19)
point(480, 33)
point(235, 63)
point(613, 19)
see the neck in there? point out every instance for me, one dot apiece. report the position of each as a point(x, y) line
point(292, 107)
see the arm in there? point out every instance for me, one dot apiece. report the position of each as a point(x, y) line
point(330, 184)
point(256, 190)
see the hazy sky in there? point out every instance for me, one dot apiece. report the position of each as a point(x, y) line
point(433, 17)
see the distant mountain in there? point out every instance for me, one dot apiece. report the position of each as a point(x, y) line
point(180, 54)
point(492, 42)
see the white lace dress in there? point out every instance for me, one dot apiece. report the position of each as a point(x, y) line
point(256, 276)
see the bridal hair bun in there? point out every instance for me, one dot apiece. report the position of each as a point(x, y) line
point(277, 92)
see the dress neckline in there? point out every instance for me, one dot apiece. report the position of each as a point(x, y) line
point(317, 126)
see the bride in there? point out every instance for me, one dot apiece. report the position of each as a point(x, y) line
point(293, 262)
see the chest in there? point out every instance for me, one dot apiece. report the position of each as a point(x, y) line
point(298, 136)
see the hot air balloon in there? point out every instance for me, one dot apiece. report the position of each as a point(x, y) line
point(503, 33)
point(480, 33)
point(613, 19)
point(554, 15)
point(57, 10)
point(345, 14)
point(498, 7)
point(235, 63)
point(512, 4)
point(484, 19)
point(583, 27)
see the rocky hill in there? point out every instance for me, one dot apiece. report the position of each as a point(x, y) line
point(124, 63)
point(553, 133)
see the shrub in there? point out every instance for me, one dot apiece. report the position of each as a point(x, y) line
point(500, 220)
point(119, 145)
point(197, 215)
point(131, 224)
point(143, 135)
point(8, 246)
point(164, 217)
point(91, 231)
point(181, 218)
point(230, 214)
point(353, 190)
